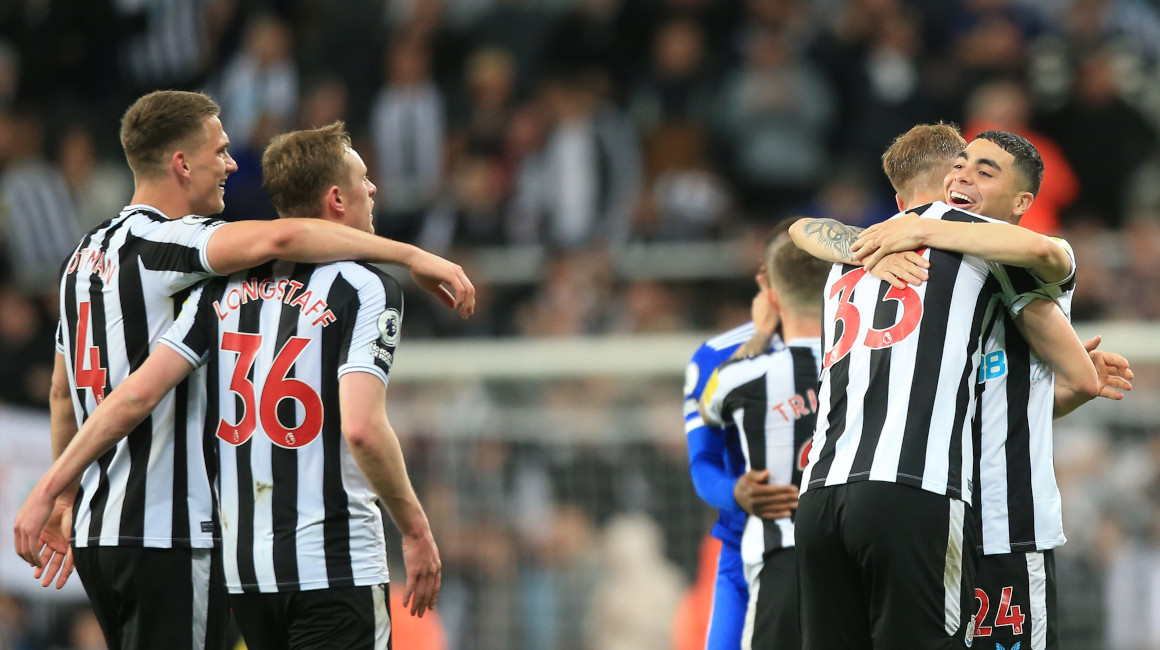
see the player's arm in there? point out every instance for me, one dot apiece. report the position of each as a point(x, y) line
point(55, 549)
point(245, 244)
point(1052, 338)
point(1002, 243)
point(118, 414)
point(751, 491)
point(826, 239)
point(833, 241)
point(371, 440)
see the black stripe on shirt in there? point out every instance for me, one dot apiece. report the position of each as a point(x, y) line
point(135, 317)
point(928, 360)
point(877, 398)
point(100, 341)
point(336, 527)
point(249, 322)
point(284, 462)
point(180, 441)
point(805, 379)
point(967, 386)
point(1020, 509)
point(839, 378)
point(168, 256)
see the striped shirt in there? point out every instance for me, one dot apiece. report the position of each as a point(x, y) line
point(1019, 505)
point(772, 399)
point(296, 511)
point(898, 379)
point(712, 353)
point(116, 299)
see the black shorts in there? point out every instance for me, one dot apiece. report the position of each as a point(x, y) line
point(151, 598)
point(1015, 601)
point(346, 617)
point(771, 619)
point(883, 566)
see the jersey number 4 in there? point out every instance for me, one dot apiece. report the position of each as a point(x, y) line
point(95, 376)
point(851, 319)
point(276, 388)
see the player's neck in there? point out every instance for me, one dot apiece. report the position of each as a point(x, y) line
point(924, 198)
point(794, 326)
point(168, 200)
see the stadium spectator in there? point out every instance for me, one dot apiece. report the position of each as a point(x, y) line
point(408, 132)
point(41, 228)
point(579, 190)
point(775, 114)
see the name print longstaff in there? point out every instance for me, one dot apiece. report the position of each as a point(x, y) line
point(283, 290)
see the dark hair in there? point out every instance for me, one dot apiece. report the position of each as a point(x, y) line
point(160, 123)
point(1027, 159)
point(299, 167)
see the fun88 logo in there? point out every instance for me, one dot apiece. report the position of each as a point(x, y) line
point(993, 366)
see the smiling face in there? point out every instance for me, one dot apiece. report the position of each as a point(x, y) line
point(358, 194)
point(984, 180)
point(209, 165)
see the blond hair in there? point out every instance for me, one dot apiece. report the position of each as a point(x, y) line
point(798, 277)
point(160, 123)
point(299, 167)
point(921, 157)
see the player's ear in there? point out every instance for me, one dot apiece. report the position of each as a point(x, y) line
point(1023, 201)
point(333, 203)
point(179, 164)
point(899, 202)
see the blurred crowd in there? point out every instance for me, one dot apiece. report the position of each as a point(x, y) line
point(585, 160)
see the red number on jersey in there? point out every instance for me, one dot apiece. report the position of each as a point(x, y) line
point(981, 628)
point(848, 314)
point(1007, 615)
point(277, 388)
point(246, 345)
point(875, 339)
point(93, 377)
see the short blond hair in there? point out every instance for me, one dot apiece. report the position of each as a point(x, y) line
point(798, 277)
point(160, 123)
point(299, 167)
point(921, 156)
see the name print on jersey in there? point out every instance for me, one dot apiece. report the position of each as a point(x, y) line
point(270, 289)
point(797, 406)
point(93, 260)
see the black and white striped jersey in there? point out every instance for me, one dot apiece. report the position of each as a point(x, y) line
point(772, 400)
point(117, 297)
point(898, 378)
point(1019, 507)
point(296, 511)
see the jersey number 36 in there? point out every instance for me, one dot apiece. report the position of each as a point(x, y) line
point(276, 388)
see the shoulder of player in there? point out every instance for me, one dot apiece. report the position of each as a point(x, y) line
point(739, 371)
point(365, 277)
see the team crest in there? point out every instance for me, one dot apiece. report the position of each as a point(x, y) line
point(692, 374)
point(390, 322)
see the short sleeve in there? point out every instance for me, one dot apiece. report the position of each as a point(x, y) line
point(60, 347)
point(180, 245)
point(1026, 287)
point(192, 333)
point(713, 401)
point(373, 328)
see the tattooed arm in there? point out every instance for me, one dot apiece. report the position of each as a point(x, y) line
point(826, 239)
